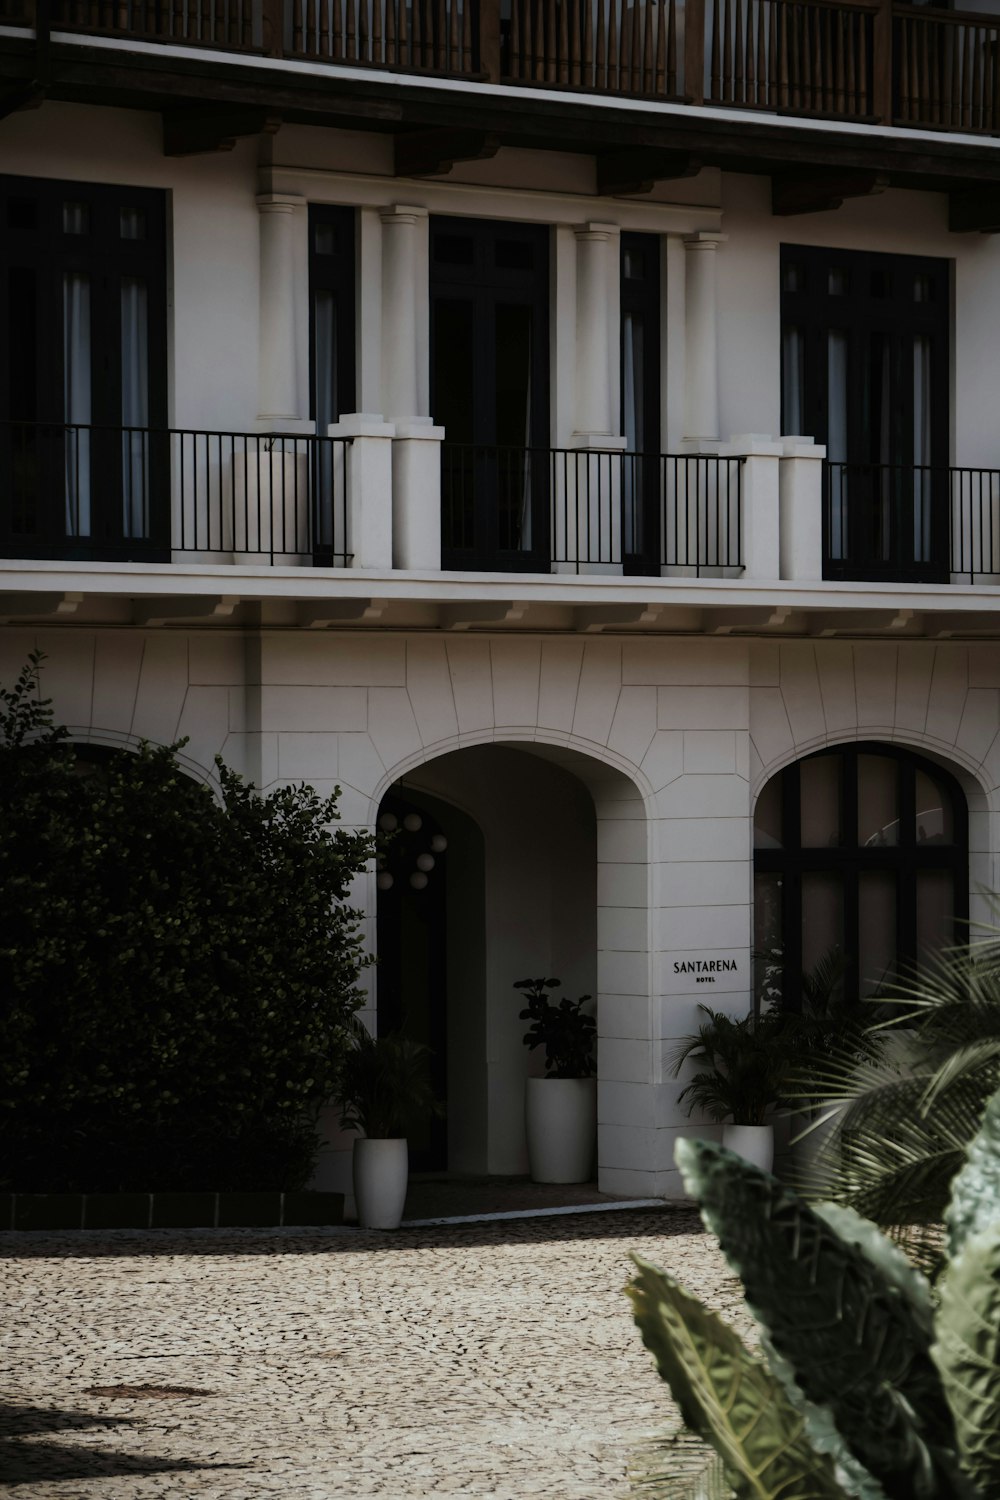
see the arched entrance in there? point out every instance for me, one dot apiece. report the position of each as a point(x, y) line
point(528, 830)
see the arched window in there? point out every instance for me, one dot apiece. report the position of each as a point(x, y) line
point(861, 850)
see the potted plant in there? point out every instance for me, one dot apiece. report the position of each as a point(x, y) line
point(560, 1108)
point(384, 1087)
point(744, 1067)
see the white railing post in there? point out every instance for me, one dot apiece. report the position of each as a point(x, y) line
point(368, 464)
point(760, 503)
point(801, 508)
point(416, 495)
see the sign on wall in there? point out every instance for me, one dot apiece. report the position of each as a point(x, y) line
point(719, 970)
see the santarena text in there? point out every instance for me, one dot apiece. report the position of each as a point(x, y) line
point(705, 966)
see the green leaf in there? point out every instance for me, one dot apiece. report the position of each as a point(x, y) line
point(845, 1328)
point(897, 1269)
point(678, 1465)
point(727, 1397)
point(975, 1190)
point(967, 1353)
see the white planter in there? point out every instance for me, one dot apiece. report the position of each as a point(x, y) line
point(381, 1169)
point(560, 1116)
point(755, 1143)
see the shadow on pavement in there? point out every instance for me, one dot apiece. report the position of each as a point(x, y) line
point(630, 1224)
point(35, 1462)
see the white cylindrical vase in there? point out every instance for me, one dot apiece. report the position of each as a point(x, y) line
point(755, 1143)
point(381, 1168)
point(560, 1116)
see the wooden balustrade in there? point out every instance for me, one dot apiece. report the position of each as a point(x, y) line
point(214, 23)
point(430, 35)
point(947, 69)
point(618, 46)
point(804, 56)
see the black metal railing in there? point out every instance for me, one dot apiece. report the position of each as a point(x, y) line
point(911, 523)
point(568, 508)
point(134, 493)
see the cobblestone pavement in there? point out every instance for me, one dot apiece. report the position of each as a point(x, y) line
point(493, 1359)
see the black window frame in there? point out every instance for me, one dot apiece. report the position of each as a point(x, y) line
point(335, 272)
point(642, 296)
point(850, 860)
point(35, 395)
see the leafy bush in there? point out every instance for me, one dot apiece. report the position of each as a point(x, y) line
point(744, 1064)
point(566, 1031)
point(385, 1087)
point(869, 1386)
point(177, 973)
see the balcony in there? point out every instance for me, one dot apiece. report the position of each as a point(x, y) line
point(852, 60)
point(750, 509)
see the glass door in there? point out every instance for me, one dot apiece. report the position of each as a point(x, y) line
point(83, 379)
point(489, 390)
point(865, 359)
point(640, 398)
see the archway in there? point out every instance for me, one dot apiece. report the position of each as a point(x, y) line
point(861, 853)
point(544, 873)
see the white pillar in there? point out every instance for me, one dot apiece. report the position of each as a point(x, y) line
point(404, 230)
point(368, 481)
point(701, 336)
point(416, 451)
point(597, 303)
point(760, 503)
point(801, 503)
point(278, 358)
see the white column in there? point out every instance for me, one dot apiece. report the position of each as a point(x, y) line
point(416, 451)
point(760, 503)
point(801, 505)
point(701, 418)
point(368, 479)
point(597, 315)
point(278, 359)
point(404, 228)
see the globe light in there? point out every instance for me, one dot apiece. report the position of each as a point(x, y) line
point(413, 822)
point(418, 881)
point(384, 881)
point(387, 822)
point(425, 862)
point(439, 843)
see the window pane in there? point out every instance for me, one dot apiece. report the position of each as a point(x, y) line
point(876, 930)
point(325, 373)
point(133, 224)
point(635, 265)
point(820, 804)
point(76, 218)
point(935, 912)
point(935, 820)
point(135, 406)
point(767, 816)
point(822, 917)
point(837, 283)
point(793, 279)
point(792, 394)
point(76, 400)
point(768, 939)
point(921, 448)
point(878, 809)
point(513, 333)
point(325, 239)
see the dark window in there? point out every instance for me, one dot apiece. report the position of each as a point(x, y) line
point(640, 400)
point(83, 370)
point(331, 313)
point(860, 851)
point(489, 390)
point(864, 370)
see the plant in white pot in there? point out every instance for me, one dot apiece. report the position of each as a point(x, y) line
point(385, 1087)
point(561, 1108)
point(743, 1075)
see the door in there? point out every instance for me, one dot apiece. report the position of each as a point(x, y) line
point(640, 387)
point(83, 370)
point(490, 392)
point(865, 361)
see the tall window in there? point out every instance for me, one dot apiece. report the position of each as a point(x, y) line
point(864, 370)
point(640, 386)
point(860, 851)
point(331, 313)
point(82, 368)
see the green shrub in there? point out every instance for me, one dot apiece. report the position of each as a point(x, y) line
point(177, 972)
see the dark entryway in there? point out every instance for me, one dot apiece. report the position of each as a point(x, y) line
point(865, 361)
point(490, 391)
point(83, 455)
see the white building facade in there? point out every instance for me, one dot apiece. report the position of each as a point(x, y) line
point(601, 475)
